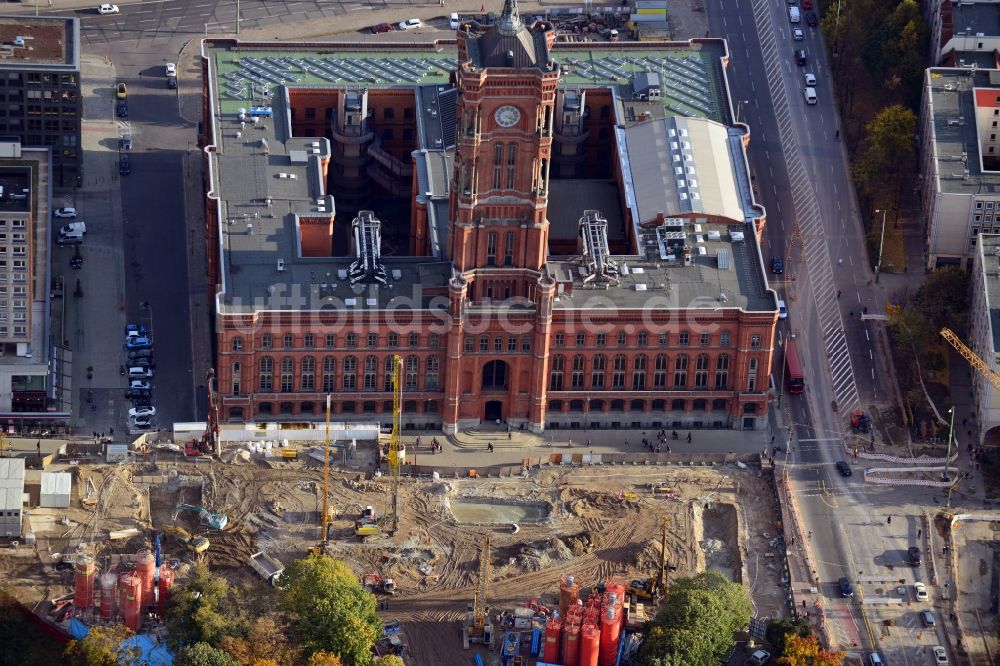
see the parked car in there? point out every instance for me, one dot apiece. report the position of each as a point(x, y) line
point(940, 655)
point(126, 141)
point(453, 21)
point(846, 589)
point(172, 82)
point(64, 212)
point(410, 24)
point(920, 590)
point(139, 343)
point(135, 331)
point(140, 372)
point(142, 422)
point(124, 166)
point(782, 310)
point(121, 91)
point(171, 69)
point(927, 618)
point(844, 468)
point(139, 385)
point(136, 412)
point(122, 109)
point(107, 9)
point(913, 556)
point(382, 27)
point(143, 400)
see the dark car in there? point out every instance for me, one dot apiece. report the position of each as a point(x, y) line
point(777, 266)
point(844, 468)
point(800, 57)
point(124, 167)
point(846, 589)
point(927, 618)
point(123, 109)
point(913, 556)
point(172, 82)
point(812, 19)
point(382, 27)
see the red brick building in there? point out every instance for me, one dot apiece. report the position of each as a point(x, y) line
point(541, 246)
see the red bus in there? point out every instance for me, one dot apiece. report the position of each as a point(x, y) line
point(793, 368)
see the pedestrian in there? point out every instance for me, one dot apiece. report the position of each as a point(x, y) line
point(668, 449)
point(657, 448)
point(888, 520)
point(490, 447)
point(626, 442)
point(920, 533)
point(689, 438)
point(772, 439)
point(673, 435)
point(509, 436)
point(38, 448)
point(838, 293)
point(112, 431)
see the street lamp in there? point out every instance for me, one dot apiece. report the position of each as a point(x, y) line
point(881, 244)
point(947, 456)
point(145, 305)
point(739, 104)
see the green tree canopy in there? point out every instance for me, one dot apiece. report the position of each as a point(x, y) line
point(202, 654)
point(100, 647)
point(390, 660)
point(329, 610)
point(943, 298)
point(889, 148)
point(696, 624)
point(204, 610)
point(779, 630)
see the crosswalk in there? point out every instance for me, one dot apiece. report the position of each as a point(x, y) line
point(818, 262)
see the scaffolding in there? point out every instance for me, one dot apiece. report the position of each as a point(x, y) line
point(596, 255)
point(368, 246)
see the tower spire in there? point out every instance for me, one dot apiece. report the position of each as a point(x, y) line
point(510, 19)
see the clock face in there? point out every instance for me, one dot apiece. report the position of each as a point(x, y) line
point(507, 116)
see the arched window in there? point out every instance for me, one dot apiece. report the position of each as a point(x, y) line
point(722, 371)
point(410, 406)
point(637, 405)
point(556, 374)
point(369, 406)
point(412, 366)
point(681, 372)
point(390, 364)
point(618, 374)
point(264, 409)
point(235, 413)
point(699, 405)
point(431, 407)
point(237, 344)
point(371, 372)
point(350, 374)
point(576, 405)
point(701, 370)
point(618, 405)
point(307, 407)
point(308, 380)
point(511, 164)
point(555, 405)
point(660, 371)
point(577, 378)
point(432, 374)
point(287, 408)
point(287, 374)
point(266, 380)
point(639, 372)
point(719, 405)
point(659, 405)
point(329, 372)
point(237, 371)
point(597, 371)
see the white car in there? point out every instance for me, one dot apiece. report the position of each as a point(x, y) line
point(798, 35)
point(410, 24)
point(142, 422)
point(171, 69)
point(453, 21)
point(940, 655)
point(64, 212)
point(782, 310)
point(107, 9)
point(142, 412)
point(920, 590)
point(810, 79)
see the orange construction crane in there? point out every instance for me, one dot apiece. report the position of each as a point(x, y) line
point(971, 356)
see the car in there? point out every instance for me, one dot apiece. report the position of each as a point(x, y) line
point(142, 422)
point(107, 9)
point(846, 590)
point(139, 385)
point(382, 27)
point(777, 266)
point(927, 618)
point(141, 363)
point(124, 166)
point(807, 4)
point(135, 331)
point(801, 58)
point(875, 660)
point(844, 468)
point(940, 655)
point(122, 109)
point(798, 35)
point(920, 591)
point(810, 79)
point(758, 658)
point(140, 400)
point(140, 372)
point(812, 19)
point(171, 69)
point(138, 343)
point(453, 21)
point(913, 556)
point(410, 24)
point(121, 91)
point(69, 211)
point(782, 310)
point(810, 95)
point(172, 82)
point(126, 141)
point(141, 353)
point(137, 412)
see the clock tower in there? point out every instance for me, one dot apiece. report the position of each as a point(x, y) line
point(506, 83)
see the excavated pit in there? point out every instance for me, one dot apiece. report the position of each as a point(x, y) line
point(490, 512)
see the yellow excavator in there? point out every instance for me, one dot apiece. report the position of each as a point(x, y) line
point(196, 544)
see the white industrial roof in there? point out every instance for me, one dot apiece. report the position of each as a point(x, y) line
point(56, 483)
point(11, 483)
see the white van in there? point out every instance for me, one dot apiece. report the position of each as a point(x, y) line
point(453, 21)
point(810, 95)
point(72, 233)
point(794, 15)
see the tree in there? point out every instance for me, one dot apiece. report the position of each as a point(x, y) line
point(889, 148)
point(390, 660)
point(204, 610)
point(100, 647)
point(696, 626)
point(328, 609)
point(264, 642)
point(778, 631)
point(943, 298)
point(322, 658)
point(806, 651)
point(202, 654)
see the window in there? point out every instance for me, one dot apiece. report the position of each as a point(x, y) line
point(331, 341)
point(287, 373)
point(497, 165)
point(556, 375)
point(512, 344)
point(526, 344)
point(701, 371)
point(508, 248)
point(469, 344)
point(414, 340)
point(639, 373)
point(752, 375)
point(577, 378)
point(432, 373)
point(754, 342)
point(597, 371)
point(643, 339)
point(581, 339)
point(388, 113)
point(724, 339)
point(622, 339)
point(618, 374)
point(392, 341)
point(237, 344)
point(286, 341)
point(309, 341)
point(680, 371)
point(412, 365)
point(660, 371)
point(663, 340)
point(371, 372)
point(372, 340)
point(434, 341)
point(491, 248)
point(350, 373)
point(484, 343)
point(722, 372)
point(498, 344)
point(705, 340)
point(329, 372)
point(237, 369)
point(683, 339)
point(389, 371)
point(560, 340)
point(308, 380)
point(602, 340)
point(265, 341)
point(511, 162)
point(352, 340)
point(266, 381)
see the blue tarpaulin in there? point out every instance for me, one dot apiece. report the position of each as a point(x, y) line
point(150, 652)
point(78, 629)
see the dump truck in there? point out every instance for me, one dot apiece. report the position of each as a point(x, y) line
point(269, 568)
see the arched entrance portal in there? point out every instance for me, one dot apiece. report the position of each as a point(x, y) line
point(493, 411)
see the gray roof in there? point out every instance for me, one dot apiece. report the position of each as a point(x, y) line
point(510, 43)
point(976, 17)
point(645, 81)
point(957, 159)
point(569, 197)
point(11, 483)
point(990, 261)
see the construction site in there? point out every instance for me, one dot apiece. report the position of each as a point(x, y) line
point(556, 560)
